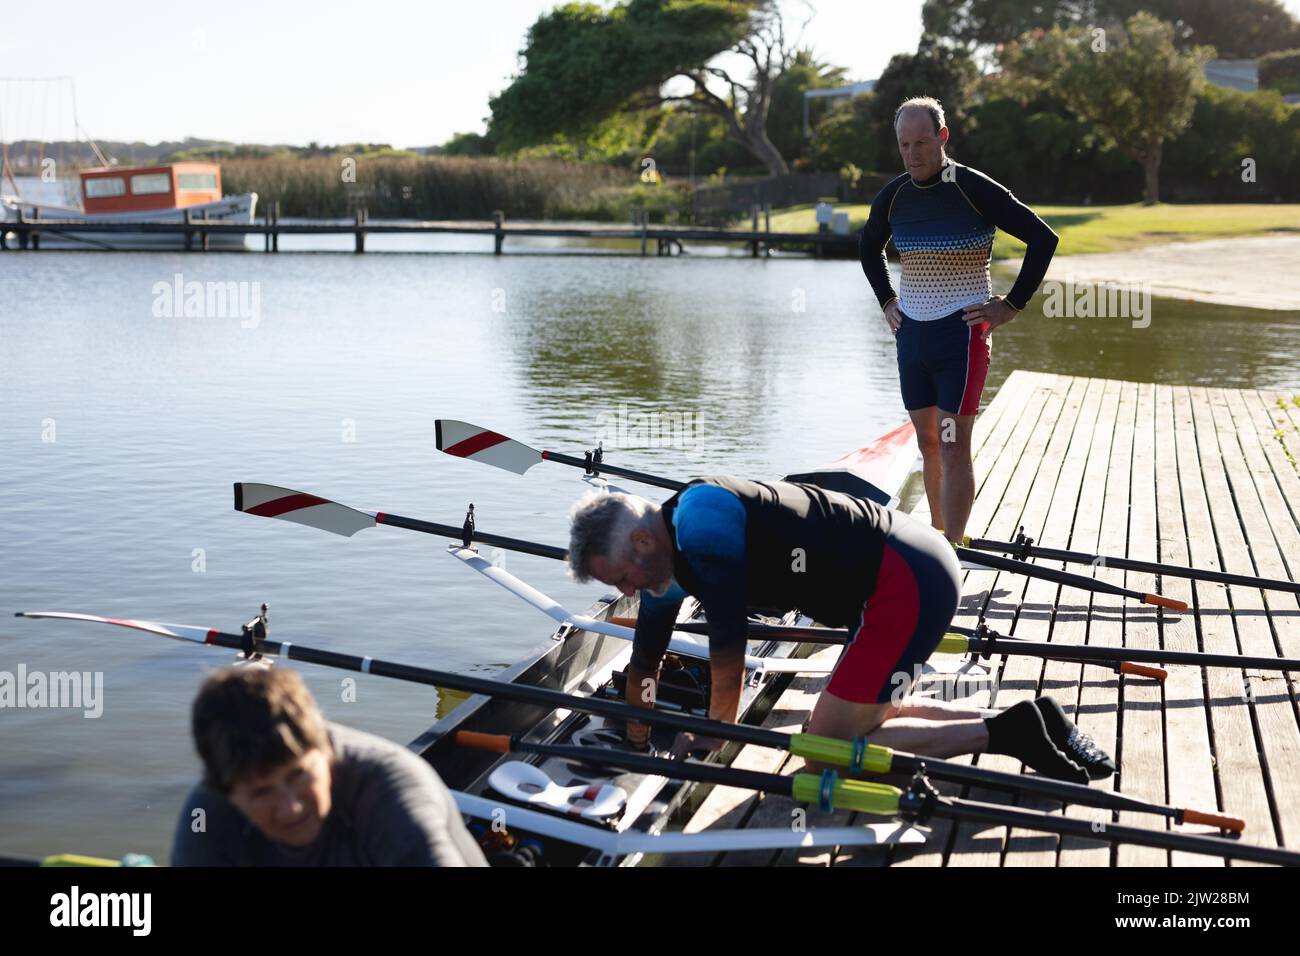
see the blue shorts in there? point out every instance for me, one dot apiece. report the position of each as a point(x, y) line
point(942, 363)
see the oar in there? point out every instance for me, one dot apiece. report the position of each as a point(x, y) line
point(858, 755)
point(919, 802)
point(473, 441)
point(983, 641)
point(1066, 578)
point(76, 859)
point(563, 616)
point(613, 844)
point(1024, 548)
point(956, 643)
point(464, 440)
point(273, 501)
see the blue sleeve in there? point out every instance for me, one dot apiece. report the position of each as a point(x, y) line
point(871, 244)
point(995, 203)
point(654, 626)
point(710, 528)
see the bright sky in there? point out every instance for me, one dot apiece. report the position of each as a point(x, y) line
point(404, 72)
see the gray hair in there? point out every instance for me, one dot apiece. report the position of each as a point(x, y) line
point(927, 103)
point(600, 524)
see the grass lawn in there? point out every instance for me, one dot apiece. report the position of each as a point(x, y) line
point(1106, 228)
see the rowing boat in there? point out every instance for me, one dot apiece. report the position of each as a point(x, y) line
point(578, 660)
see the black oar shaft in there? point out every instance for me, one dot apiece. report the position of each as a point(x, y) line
point(524, 693)
point(480, 537)
point(676, 769)
point(742, 733)
point(1114, 832)
point(1133, 564)
point(606, 468)
point(1065, 578)
point(1139, 655)
point(951, 808)
point(1044, 786)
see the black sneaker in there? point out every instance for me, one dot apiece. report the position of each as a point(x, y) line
point(1073, 742)
point(1021, 732)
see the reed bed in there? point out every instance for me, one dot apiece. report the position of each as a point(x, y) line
point(424, 187)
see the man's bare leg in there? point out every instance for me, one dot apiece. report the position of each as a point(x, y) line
point(925, 421)
point(957, 490)
point(945, 731)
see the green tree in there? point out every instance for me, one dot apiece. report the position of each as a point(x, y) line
point(1238, 29)
point(848, 134)
point(993, 22)
point(1131, 84)
point(582, 64)
point(936, 69)
point(785, 121)
point(1239, 146)
point(1280, 71)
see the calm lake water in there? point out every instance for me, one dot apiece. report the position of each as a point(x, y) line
point(122, 429)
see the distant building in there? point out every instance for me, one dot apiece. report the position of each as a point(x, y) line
point(1240, 75)
point(835, 93)
point(1234, 74)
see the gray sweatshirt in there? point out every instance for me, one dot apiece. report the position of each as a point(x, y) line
point(389, 808)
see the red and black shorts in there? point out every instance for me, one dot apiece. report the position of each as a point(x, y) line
point(943, 363)
point(908, 613)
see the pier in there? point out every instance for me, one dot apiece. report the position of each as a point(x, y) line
point(1185, 475)
point(661, 240)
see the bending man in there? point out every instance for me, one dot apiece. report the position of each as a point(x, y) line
point(844, 561)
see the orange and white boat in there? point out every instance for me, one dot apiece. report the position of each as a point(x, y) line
point(161, 193)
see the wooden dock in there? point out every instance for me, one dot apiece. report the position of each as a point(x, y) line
point(665, 240)
point(1186, 475)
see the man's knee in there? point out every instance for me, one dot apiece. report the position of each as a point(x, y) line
point(954, 438)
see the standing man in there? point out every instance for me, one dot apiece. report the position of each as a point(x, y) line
point(942, 217)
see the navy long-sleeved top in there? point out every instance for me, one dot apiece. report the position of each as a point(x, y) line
point(943, 230)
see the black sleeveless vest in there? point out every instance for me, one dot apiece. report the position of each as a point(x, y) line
point(806, 548)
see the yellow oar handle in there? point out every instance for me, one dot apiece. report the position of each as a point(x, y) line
point(858, 755)
point(829, 792)
point(953, 644)
point(76, 859)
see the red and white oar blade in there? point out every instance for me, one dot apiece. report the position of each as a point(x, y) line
point(481, 444)
point(272, 501)
point(179, 632)
point(876, 471)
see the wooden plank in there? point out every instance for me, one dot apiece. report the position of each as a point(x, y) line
point(1191, 779)
point(1245, 539)
point(1141, 752)
point(1272, 451)
point(1001, 451)
point(1072, 519)
point(1012, 458)
point(1102, 528)
point(1239, 771)
point(1021, 503)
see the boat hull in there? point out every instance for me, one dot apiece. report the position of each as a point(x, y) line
point(237, 209)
